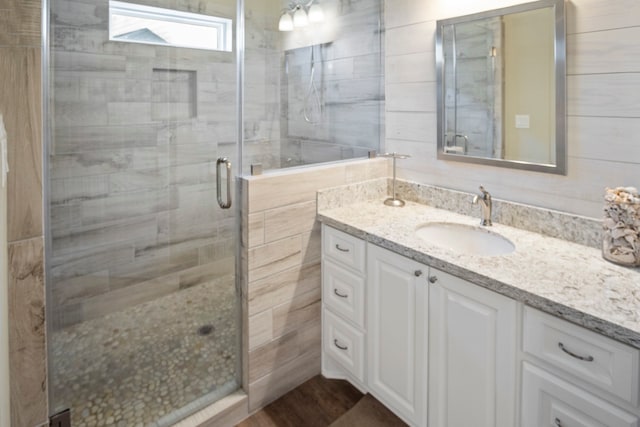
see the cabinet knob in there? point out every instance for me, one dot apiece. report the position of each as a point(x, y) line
point(558, 423)
point(418, 273)
point(433, 279)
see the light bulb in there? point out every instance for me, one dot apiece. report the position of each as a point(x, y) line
point(316, 14)
point(286, 23)
point(300, 18)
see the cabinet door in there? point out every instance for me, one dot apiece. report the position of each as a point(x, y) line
point(549, 401)
point(397, 293)
point(472, 362)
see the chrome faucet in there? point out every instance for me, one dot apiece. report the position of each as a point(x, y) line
point(484, 199)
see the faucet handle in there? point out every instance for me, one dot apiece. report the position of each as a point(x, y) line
point(484, 200)
point(485, 193)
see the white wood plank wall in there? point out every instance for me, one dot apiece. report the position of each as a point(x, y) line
point(603, 104)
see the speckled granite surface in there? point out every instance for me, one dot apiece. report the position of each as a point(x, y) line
point(559, 277)
point(574, 228)
point(345, 195)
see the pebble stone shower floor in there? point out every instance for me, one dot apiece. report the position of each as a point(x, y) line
point(143, 365)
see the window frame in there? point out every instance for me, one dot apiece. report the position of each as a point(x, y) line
point(223, 26)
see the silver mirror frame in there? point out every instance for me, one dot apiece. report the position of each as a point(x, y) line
point(560, 61)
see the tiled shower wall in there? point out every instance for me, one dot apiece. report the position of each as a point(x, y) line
point(348, 77)
point(281, 253)
point(341, 116)
point(262, 58)
point(136, 132)
point(20, 105)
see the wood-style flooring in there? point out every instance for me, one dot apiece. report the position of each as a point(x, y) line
point(316, 403)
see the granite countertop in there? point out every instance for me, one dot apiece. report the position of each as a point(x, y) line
point(565, 279)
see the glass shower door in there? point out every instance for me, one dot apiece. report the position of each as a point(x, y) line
point(142, 307)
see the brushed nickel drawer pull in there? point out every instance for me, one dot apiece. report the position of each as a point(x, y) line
point(418, 273)
point(572, 354)
point(433, 279)
point(335, 291)
point(335, 342)
point(340, 249)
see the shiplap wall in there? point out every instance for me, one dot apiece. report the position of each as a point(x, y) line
point(603, 104)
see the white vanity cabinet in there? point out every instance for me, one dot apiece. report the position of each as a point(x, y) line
point(472, 358)
point(343, 306)
point(397, 334)
point(572, 377)
point(374, 332)
point(548, 400)
point(443, 352)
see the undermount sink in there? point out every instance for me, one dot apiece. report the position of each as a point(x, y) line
point(465, 239)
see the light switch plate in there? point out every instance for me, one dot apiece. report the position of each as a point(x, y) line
point(522, 121)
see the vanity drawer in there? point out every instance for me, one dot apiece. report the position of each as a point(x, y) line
point(343, 343)
point(598, 360)
point(343, 248)
point(343, 292)
point(549, 401)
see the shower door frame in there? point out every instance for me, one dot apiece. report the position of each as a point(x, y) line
point(46, 124)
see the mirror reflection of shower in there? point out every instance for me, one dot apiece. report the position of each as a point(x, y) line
point(473, 88)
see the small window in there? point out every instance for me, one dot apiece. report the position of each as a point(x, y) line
point(135, 23)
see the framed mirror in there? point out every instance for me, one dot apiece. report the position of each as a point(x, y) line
point(501, 87)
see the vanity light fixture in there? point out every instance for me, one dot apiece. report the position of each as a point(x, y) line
point(300, 18)
point(299, 15)
point(286, 22)
point(316, 14)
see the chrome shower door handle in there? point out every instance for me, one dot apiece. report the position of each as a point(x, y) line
point(223, 204)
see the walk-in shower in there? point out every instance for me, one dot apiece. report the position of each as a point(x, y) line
point(143, 119)
point(141, 257)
